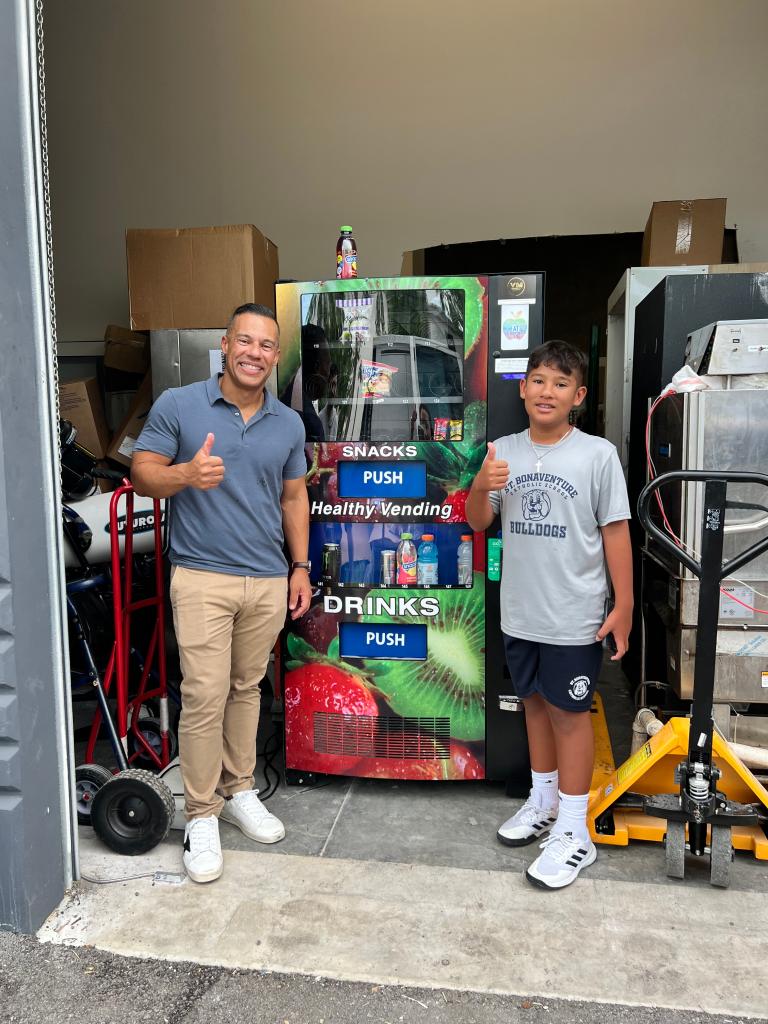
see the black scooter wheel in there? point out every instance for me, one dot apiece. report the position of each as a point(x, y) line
point(132, 812)
point(89, 778)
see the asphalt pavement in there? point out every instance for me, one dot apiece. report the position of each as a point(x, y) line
point(41, 983)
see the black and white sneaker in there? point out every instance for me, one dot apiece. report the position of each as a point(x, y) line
point(202, 849)
point(561, 860)
point(527, 825)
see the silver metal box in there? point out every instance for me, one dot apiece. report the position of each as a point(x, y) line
point(729, 347)
point(184, 356)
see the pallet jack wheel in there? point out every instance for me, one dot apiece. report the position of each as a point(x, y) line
point(720, 856)
point(89, 778)
point(675, 849)
point(132, 812)
point(150, 730)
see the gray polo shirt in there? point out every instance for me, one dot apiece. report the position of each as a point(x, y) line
point(236, 527)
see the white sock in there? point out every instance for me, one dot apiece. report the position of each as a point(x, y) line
point(544, 789)
point(572, 816)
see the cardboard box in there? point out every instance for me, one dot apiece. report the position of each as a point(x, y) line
point(196, 277)
point(684, 231)
point(80, 403)
point(739, 268)
point(412, 264)
point(126, 350)
point(126, 435)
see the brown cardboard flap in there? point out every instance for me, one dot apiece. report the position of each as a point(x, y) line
point(126, 350)
point(196, 277)
point(126, 435)
point(80, 403)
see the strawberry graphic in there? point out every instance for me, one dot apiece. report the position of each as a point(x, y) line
point(462, 764)
point(323, 685)
point(458, 504)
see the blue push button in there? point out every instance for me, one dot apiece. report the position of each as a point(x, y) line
point(382, 479)
point(382, 640)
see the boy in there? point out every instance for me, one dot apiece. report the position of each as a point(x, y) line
point(564, 511)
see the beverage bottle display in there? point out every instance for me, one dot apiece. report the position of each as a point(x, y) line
point(464, 560)
point(331, 564)
point(387, 571)
point(426, 568)
point(346, 254)
point(406, 559)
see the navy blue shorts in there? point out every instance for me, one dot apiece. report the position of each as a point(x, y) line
point(564, 676)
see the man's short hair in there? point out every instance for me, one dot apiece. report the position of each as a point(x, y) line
point(256, 309)
point(563, 356)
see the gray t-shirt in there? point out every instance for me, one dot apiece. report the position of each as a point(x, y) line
point(554, 582)
point(237, 527)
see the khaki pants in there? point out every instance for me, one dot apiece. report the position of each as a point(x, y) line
point(226, 627)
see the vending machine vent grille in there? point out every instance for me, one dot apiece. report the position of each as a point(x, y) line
point(382, 736)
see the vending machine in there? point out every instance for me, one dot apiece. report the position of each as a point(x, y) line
point(397, 670)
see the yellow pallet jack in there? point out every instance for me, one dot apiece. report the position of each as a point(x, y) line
point(717, 803)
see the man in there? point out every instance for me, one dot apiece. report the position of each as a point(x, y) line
point(232, 458)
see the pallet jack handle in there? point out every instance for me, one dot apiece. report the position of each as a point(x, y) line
point(700, 804)
point(711, 570)
point(700, 476)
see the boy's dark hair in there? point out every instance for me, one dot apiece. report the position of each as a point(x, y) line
point(563, 356)
point(256, 309)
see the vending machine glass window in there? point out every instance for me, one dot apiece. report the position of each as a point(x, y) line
point(385, 365)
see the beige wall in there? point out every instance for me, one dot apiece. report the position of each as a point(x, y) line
point(417, 121)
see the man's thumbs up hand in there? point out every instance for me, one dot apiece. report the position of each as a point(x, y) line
point(205, 470)
point(493, 473)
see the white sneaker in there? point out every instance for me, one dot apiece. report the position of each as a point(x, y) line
point(248, 813)
point(562, 859)
point(527, 825)
point(202, 850)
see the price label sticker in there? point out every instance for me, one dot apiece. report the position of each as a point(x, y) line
point(730, 596)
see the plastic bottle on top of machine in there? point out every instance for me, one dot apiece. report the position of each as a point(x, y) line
point(407, 559)
point(426, 567)
point(346, 254)
point(464, 561)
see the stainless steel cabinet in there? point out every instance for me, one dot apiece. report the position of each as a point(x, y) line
point(716, 430)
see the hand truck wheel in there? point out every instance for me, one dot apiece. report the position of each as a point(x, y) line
point(151, 731)
point(132, 812)
point(720, 856)
point(89, 778)
point(675, 849)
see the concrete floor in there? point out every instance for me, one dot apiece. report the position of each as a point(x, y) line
point(406, 884)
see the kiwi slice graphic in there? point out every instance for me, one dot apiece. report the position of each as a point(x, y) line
point(451, 682)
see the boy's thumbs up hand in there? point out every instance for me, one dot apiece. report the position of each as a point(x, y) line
point(493, 473)
point(205, 471)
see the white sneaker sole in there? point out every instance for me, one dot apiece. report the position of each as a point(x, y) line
point(541, 883)
point(206, 876)
point(250, 835)
point(523, 840)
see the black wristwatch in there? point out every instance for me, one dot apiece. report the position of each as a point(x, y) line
point(302, 565)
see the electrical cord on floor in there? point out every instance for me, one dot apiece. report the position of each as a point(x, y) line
point(111, 881)
point(269, 753)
